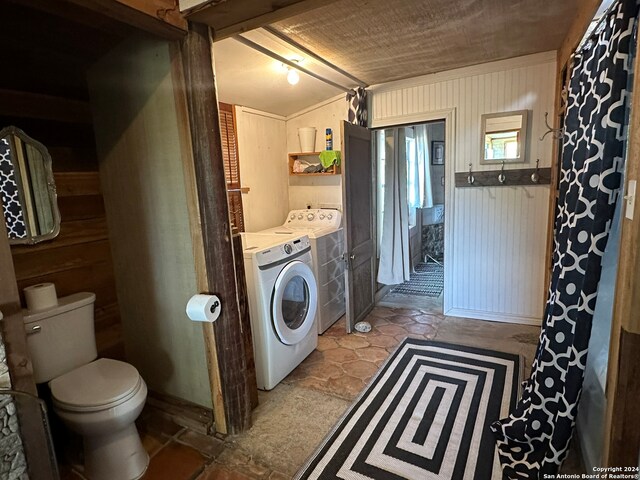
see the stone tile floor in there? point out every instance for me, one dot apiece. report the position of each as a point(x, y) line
point(293, 418)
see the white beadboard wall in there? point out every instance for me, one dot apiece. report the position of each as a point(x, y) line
point(496, 256)
point(262, 149)
point(317, 191)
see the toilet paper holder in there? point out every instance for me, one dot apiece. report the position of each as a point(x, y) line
point(214, 306)
point(204, 308)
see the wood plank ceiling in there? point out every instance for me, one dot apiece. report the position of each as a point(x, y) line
point(385, 40)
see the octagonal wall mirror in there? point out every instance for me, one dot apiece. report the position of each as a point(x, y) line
point(504, 137)
point(27, 189)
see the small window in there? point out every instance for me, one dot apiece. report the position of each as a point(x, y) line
point(231, 165)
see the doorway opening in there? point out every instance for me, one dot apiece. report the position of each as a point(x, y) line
point(410, 213)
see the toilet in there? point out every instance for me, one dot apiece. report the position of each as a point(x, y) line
point(98, 399)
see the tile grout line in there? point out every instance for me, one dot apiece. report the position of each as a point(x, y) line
point(170, 439)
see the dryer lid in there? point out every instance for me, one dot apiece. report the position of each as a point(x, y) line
point(98, 383)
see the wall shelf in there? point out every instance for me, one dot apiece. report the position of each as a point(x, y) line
point(312, 158)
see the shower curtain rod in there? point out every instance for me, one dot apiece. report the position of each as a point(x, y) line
point(598, 21)
point(275, 56)
point(312, 54)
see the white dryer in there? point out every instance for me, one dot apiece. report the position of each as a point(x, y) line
point(324, 228)
point(283, 302)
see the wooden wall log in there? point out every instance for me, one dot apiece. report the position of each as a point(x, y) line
point(32, 429)
point(79, 258)
point(230, 343)
point(243, 305)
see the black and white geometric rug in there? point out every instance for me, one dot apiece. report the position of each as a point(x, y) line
point(427, 280)
point(425, 415)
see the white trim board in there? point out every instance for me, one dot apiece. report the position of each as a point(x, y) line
point(422, 117)
point(341, 96)
point(260, 113)
point(480, 69)
point(492, 317)
point(380, 294)
point(449, 117)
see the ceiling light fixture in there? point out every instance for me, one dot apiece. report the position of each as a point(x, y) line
point(293, 77)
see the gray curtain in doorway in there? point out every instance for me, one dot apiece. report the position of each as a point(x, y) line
point(423, 165)
point(394, 267)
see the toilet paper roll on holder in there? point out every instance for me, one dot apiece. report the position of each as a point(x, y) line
point(204, 308)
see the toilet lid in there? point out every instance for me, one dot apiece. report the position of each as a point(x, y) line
point(96, 384)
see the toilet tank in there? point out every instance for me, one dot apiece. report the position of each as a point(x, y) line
point(61, 338)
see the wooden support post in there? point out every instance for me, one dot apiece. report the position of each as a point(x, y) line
point(33, 433)
point(243, 305)
point(624, 433)
point(230, 343)
point(622, 428)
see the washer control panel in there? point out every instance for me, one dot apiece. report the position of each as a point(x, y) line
point(318, 217)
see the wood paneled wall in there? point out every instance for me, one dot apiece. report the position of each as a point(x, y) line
point(498, 242)
point(138, 136)
point(79, 259)
point(317, 191)
point(263, 168)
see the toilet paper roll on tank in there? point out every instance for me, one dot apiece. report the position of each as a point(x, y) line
point(41, 296)
point(204, 308)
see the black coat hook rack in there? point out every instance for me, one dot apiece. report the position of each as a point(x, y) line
point(504, 178)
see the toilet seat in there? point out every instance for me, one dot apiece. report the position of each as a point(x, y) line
point(99, 385)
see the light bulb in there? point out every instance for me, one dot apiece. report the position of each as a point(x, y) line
point(293, 77)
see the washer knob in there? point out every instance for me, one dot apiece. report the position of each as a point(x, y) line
point(300, 217)
point(292, 217)
point(288, 248)
point(322, 215)
point(310, 216)
point(329, 216)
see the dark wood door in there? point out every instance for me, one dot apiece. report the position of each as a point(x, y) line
point(359, 223)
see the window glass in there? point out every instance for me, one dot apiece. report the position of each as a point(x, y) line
point(295, 302)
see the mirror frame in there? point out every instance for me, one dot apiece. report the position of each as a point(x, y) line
point(524, 157)
point(31, 239)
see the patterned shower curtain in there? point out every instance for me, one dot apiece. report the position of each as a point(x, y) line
point(358, 110)
point(534, 439)
point(13, 212)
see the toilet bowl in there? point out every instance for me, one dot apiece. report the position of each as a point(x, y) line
point(98, 399)
point(101, 401)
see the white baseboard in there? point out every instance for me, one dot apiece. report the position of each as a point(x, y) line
point(382, 292)
point(493, 317)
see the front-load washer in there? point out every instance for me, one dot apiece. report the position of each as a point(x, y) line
point(324, 229)
point(283, 303)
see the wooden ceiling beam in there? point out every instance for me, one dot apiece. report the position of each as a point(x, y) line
point(159, 17)
point(582, 19)
point(44, 107)
point(231, 17)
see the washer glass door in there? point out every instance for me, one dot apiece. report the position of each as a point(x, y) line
point(294, 303)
